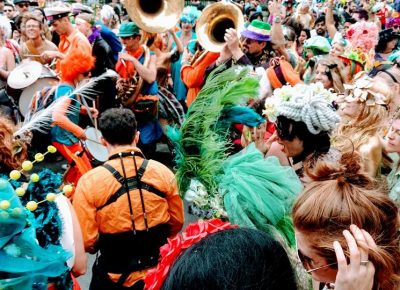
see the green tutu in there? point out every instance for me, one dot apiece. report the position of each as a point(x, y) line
point(259, 193)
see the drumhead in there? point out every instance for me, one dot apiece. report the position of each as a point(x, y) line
point(28, 93)
point(98, 151)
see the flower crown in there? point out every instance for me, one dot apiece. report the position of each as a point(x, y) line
point(311, 104)
point(171, 251)
point(361, 91)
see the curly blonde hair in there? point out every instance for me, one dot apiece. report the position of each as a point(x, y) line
point(369, 122)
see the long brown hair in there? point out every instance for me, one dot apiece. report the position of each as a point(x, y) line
point(341, 194)
point(8, 159)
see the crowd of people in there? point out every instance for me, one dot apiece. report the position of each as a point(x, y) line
point(283, 131)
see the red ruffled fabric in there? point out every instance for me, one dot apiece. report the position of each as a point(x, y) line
point(170, 251)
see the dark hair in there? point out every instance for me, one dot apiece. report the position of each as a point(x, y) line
point(350, 20)
point(118, 126)
point(255, 15)
point(9, 5)
point(363, 14)
point(319, 19)
point(233, 259)
point(307, 31)
point(293, 23)
point(385, 36)
point(289, 129)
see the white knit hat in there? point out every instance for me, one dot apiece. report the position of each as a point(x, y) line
point(310, 104)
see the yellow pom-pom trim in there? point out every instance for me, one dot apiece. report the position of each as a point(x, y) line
point(68, 188)
point(20, 191)
point(35, 177)
point(15, 175)
point(51, 197)
point(27, 165)
point(39, 157)
point(4, 204)
point(32, 205)
point(51, 149)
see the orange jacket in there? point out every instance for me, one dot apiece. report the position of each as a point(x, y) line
point(193, 77)
point(75, 41)
point(96, 187)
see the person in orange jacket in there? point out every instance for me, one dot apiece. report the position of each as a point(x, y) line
point(127, 208)
point(193, 75)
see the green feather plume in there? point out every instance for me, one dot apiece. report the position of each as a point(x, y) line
point(202, 142)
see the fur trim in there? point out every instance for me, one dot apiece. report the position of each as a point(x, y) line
point(74, 64)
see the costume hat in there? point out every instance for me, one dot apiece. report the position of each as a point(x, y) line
point(258, 30)
point(56, 12)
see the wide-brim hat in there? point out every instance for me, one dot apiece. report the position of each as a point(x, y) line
point(128, 29)
point(56, 12)
point(258, 30)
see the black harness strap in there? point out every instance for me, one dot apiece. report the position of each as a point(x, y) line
point(132, 183)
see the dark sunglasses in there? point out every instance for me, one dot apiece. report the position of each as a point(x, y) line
point(307, 261)
point(126, 37)
point(20, 5)
point(396, 26)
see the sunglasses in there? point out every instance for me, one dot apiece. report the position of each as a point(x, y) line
point(307, 262)
point(248, 40)
point(396, 26)
point(21, 5)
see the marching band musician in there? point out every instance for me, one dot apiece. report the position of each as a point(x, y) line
point(36, 43)
point(66, 133)
point(131, 61)
point(71, 39)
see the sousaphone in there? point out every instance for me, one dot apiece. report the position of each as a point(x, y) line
point(155, 16)
point(214, 21)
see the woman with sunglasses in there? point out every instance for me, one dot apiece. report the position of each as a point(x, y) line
point(347, 228)
point(304, 118)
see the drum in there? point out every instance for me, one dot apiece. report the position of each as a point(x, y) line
point(97, 152)
point(47, 78)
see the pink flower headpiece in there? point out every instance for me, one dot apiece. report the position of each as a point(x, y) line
point(171, 251)
point(363, 35)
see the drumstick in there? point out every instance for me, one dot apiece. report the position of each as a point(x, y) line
point(94, 141)
point(32, 55)
point(95, 119)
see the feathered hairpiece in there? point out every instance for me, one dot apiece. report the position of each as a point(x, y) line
point(310, 104)
point(74, 64)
